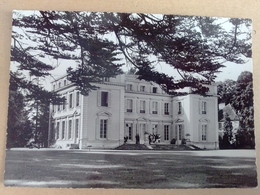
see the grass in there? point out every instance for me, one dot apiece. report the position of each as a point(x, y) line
point(128, 169)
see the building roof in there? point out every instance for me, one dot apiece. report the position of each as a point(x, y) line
point(230, 111)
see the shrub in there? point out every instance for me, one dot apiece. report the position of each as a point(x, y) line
point(173, 141)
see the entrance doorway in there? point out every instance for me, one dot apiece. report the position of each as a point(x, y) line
point(179, 133)
point(141, 130)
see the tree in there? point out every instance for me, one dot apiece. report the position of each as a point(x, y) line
point(226, 91)
point(23, 125)
point(239, 94)
point(242, 102)
point(228, 127)
point(42, 124)
point(19, 125)
point(196, 47)
point(100, 43)
point(226, 141)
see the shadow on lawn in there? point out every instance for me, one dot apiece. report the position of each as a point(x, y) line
point(128, 170)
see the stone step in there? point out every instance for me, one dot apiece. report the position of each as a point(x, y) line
point(170, 147)
point(155, 147)
point(132, 147)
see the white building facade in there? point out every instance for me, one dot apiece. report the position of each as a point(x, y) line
point(126, 106)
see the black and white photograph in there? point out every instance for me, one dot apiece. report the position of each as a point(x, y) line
point(130, 101)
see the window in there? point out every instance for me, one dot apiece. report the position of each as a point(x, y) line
point(59, 107)
point(53, 87)
point(129, 105)
point(129, 130)
point(154, 89)
point(63, 130)
point(180, 131)
point(155, 108)
point(52, 108)
point(142, 106)
point(59, 84)
point(129, 87)
point(130, 136)
point(179, 108)
point(71, 100)
point(70, 129)
point(52, 134)
point(105, 79)
point(142, 88)
point(64, 82)
point(77, 128)
point(104, 98)
point(166, 108)
point(220, 125)
point(64, 105)
point(166, 132)
point(77, 98)
point(58, 130)
point(103, 128)
point(204, 133)
point(204, 108)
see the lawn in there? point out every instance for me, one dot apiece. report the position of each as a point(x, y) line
point(130, 169)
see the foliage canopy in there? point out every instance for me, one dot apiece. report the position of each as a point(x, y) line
point(195, 47)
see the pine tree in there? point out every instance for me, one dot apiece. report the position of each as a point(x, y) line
point(195, 47)
point(19, 126)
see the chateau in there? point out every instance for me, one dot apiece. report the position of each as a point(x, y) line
point(126, 106)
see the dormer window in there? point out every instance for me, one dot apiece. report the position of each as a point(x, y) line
point(154, 89)
point(142, 88)
point(129, 87)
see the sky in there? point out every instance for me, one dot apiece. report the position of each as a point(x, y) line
point(231, 71)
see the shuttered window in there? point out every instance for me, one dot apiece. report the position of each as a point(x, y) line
point(142, 106)
point(204, 107)
point(77, 98)
point(166, 108)
point(155, 107)
point(70, 129)
point(71, 100)
point(58, 130)
point(104, 98)
point(77, 128)
point(63, 130)
point(179, 108)
point(129, 105)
